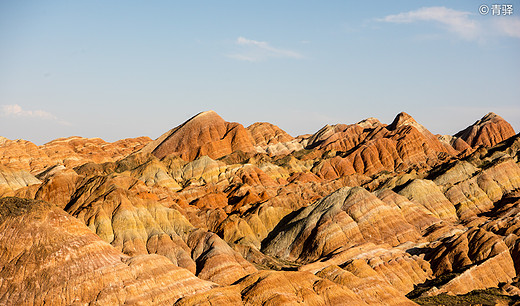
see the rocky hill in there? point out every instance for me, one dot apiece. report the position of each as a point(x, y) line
point(215, 213)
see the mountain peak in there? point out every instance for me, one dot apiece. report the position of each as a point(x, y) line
point(207, 117)
point(402, 119)
point(205, 114)
point(490, 116)
point(203, 134)
point(370, 122)
point(489, 130)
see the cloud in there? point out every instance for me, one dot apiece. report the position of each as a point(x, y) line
point(16, 111)
point(508, 26)
point(252, 50)
point(455, 21)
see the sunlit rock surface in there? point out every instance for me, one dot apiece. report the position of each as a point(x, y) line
point(214, 213)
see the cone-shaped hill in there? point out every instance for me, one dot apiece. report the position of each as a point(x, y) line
point(204, 134)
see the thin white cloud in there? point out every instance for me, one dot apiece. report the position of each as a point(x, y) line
point(16, 111)
point(455, 21)
point(252, 50)
point(508, 26)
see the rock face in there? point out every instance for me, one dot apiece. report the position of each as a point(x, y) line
point(488, 131)
point(11, 180)
point(70, 152)
point(371, 147)
point(204, 134)
point(213, 213)
point(347, 217)
point(486, 254)
point(57, 260)
point(272, 140)
point(264, 134)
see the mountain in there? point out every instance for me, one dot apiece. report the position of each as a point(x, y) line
point(213, 212)
point(72, 151)
point(488, 131)
point(204, 134)
point(65, 263)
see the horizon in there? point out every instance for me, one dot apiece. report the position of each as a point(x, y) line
point(122, 70)
point(246, 126)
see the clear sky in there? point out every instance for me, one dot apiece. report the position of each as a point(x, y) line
point(118, 69)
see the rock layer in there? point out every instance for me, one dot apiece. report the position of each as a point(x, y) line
point(215, 213)
point(204, 134)
point(57, 260)
point(488, 131)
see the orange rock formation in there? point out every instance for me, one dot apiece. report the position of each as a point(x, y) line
point(217, 214)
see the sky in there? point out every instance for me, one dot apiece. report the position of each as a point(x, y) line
point(119, 69)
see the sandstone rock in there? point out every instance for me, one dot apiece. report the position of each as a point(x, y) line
point(370, 288)
point(284, 148)
point(70, 152)
point(58, 187)
point(482, 257)
point(342, 137)
point(473, 246)
point(365, 212)
point(344, 218)
point(383, 265)
point(155, 173)
point(373, 147)
point(488, 274)
point(415, 214)
point(229, 295)
point(276, 288)
point(430, 196)
point(57, 260)
point(334, 168)
point(375, 156)
point(457, 172)
point(120, 214)
point(13, 179)
point(403, 121)
point(264, 133)
point(204, 134)
point(215, 259)
point(488, 131)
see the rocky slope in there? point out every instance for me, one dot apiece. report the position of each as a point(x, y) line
point(488, 131)
point(212, 213)
point(70, 152)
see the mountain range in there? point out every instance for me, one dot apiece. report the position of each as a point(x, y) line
point(215, 213)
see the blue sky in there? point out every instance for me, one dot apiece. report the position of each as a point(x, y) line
point(117, 69)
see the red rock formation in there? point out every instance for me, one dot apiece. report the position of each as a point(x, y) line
point(70, 152)
point(13, 179)
point(488, 131)
point(366, 213)
point(342, 137)
point(345, 218)
point(281, 288)
point(264, 134)
point(366, 283)
point(334, 168)
point(57, 260)
point(484, 256)
point(373, 147)
point(204, 134)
